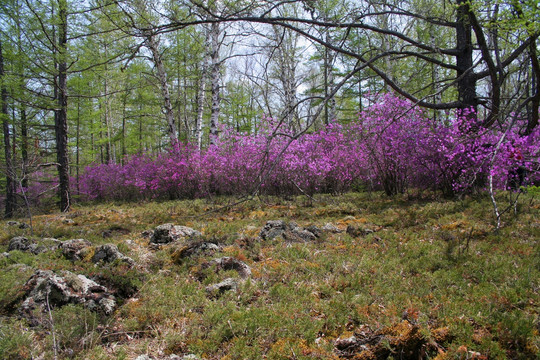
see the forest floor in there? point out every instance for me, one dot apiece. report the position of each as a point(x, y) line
point(406, 277)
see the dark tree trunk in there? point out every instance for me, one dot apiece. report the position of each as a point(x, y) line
point(60, 126)
point(10, 183)
point(24, 145)
point(466, 84)
point(535, 85)
point(77, 145)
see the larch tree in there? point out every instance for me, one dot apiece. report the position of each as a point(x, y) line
point(10, 201)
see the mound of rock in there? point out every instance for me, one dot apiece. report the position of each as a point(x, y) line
point(195, 248)
point(331, 228)
point(356, 231)
point(22, 243)
point(18, 224)
point(75, 249)
point(221, 287)
point(289, 231)
point(402, 338)
point(227, 263)
point(230, 263)
point(45, 290)
point(109, 253)
point(168, 233)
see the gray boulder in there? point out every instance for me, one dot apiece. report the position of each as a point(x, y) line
point(75, 249)
point(147, 234)
point(18, 224)
point(355, 231)
point(225, 285)
point(45, 289)
point(168, 233)
point(331, 228)
point(22, 243)
point(143, 357)
point(273, 229)
point(229, 263)
point(109, 253)
point(296, 233)
point(290, 232)
point(195, 248)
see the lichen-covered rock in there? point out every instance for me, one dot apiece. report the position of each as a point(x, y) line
point(230, 263)
point(45, 289)
point(225, 285)
point(289, 232)
point(109, 253)
point(168, 233)
point(143, 357)
point(347, 343)
point(331, 228)
point(18, 224)
point(75, 249)
point(355, 231)
point(402, 338)
point(22, 243)
point(195, 248)
point(115, 230)
point(187, 357)
point(317, 232)
point(147, 234)
point(296, 233)
point(273, 229)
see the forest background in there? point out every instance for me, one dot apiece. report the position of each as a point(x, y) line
point(174, 99)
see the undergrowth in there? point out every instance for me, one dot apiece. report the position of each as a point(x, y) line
point(437, 265)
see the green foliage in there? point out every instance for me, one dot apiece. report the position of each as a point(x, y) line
point(532, 190)
point(12, 279)
point(16, 341)
point(76, 329)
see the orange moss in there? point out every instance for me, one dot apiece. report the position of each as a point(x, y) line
point(480, 335)
point(441, 334)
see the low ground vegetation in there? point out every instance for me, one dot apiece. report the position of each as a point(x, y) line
point(355, 276)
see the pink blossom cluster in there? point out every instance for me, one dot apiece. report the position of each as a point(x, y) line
point(393, 146)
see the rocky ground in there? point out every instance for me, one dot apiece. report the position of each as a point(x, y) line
point(359, 276)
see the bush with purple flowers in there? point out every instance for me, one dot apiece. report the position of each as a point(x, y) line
point(394, 146)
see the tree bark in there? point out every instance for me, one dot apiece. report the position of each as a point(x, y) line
point(200, 105)
point(329, 85)
point(535, 84)
point(153, 45)
point(466, 84)
point(61, 126)
point(10, 182)
point(215, 77)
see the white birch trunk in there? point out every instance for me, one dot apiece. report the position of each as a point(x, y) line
point(215, 77)
point(200, 105)
point(153, 45)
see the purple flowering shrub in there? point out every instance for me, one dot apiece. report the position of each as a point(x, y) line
point(394, 146)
